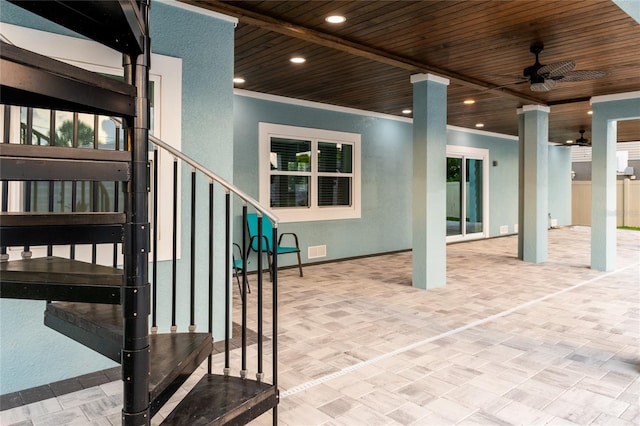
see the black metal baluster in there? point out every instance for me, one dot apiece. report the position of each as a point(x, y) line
point(94, 188)
point(116, 201)
point(192, 326)
point(274, 311)
point(243, 295)
point(260, 374)
point(5, 185)
point(227, 280)
point(154, 263)
point(74, 200)
point(74, 184)
point(26, 253)
point(174, 277)
point(210, 325)
point(52, 142)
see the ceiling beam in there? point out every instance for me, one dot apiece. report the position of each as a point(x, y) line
point(357, 49)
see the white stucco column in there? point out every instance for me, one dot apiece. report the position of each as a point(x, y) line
point(429, 180)
point(533, 212)
point(606, 111)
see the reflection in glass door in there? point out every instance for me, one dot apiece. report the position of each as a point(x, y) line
point(454, 194)
point(465, 196)
point(473, 198)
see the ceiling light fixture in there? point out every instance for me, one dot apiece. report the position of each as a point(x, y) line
point(298, 60)
point(335, 19)
point(479, 125)
point(406, 111)
point(469, 101)
point(238, 80)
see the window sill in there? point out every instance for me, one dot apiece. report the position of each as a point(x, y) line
point(310, 215)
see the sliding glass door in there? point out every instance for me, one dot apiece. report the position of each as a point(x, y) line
point(466, 193)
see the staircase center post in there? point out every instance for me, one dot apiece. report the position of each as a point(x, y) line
point(135, 294)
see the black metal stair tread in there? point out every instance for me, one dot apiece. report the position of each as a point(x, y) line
point(173, 356)
point(34, 162)
point(220, 400)
point(117, 24)
point(61, 218)
point(55, 278)
point(35, 80)
point(62, 152)
point(96, 326)
point(57, 270)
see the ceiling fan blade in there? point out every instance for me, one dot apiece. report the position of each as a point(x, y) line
point(582, 75)
point(556, 69)
point(545, 86)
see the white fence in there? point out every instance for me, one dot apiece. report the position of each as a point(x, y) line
point(627, 203)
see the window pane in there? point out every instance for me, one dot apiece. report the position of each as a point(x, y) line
point(290, 155)
point(289, 191)
point(85, 130)
point(335, 157)
point(334, 191)
point(64, 128)
point(41, 127)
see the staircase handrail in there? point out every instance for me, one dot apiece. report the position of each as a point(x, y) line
point(228, 186)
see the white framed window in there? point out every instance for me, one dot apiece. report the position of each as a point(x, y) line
point(309, 174)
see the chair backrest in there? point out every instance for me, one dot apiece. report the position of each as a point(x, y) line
point(267, 232)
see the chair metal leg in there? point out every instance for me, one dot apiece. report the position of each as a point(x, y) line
point(299, 263)
point(270, 270)
point(238, 280)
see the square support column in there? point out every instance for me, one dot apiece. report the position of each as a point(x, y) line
point(533, 201)
point(606, 111)
point(429, 180)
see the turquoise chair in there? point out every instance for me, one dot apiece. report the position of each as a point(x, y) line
point(267, 245)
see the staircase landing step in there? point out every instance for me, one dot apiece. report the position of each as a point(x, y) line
point(55, 278)
point(173, 356)
point(222, 400)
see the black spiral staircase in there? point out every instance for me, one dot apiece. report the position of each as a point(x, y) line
point(107, 308)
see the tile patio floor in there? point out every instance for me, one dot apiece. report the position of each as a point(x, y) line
point(504, 343)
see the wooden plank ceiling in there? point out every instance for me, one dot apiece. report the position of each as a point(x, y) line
point(481, 46)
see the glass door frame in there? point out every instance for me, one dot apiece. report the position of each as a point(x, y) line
point(468, 153)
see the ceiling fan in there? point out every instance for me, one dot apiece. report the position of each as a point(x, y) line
point(544, 78)
point(581, 141)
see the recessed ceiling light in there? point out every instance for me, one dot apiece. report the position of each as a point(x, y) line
point(238, 80)
point(335, 19)
point(569, 141)
point(469, 101)
point(298, 60)
point(406, 111)
point(479, 125)
point(590, 112)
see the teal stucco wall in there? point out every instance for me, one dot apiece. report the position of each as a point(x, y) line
point(385, 224)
